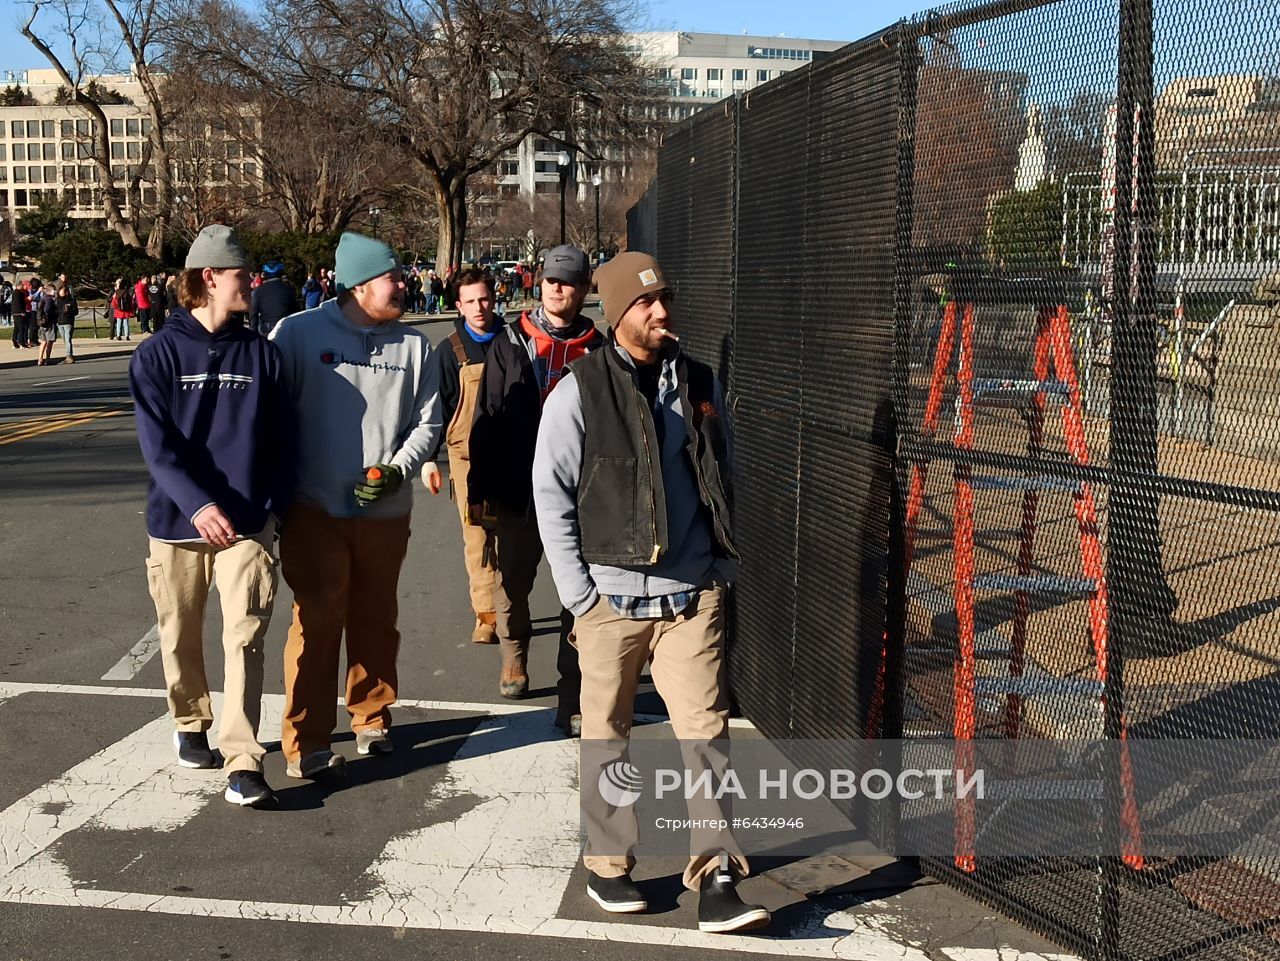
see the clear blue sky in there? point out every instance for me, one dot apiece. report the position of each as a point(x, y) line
point(817, 20)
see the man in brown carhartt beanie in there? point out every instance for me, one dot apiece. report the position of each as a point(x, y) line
point(625, 279)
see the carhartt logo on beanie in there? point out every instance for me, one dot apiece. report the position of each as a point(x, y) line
point(359, 259)
point(624, 279)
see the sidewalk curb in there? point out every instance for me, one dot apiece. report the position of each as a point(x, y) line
point(57, 362)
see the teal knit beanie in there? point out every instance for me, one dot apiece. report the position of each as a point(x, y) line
point(360, 259)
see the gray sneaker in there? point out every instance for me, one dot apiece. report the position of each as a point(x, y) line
point(374, 741)
point(318, 766)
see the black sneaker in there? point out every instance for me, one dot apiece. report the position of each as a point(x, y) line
point(616, 895)
point(249, 789)
point(720, 910)
point(193, 749)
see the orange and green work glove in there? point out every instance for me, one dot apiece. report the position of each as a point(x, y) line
point(380, 480)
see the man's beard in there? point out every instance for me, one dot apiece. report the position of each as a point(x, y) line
point(384, 314)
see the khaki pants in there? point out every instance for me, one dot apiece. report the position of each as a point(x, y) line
point(518, 550)
point(179, 576)
point(344, 572)
point(477, 543)
point(687, 653)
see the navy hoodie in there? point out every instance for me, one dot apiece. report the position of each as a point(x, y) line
point(215, 423)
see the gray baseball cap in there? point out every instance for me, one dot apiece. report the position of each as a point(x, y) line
point(566, 264)
point(218, 247)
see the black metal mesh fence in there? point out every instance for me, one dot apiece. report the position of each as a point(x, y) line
point(997, 298)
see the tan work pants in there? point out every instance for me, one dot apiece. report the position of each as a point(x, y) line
point(688, 667)
point(179, 577)
point(344, 573)
point(518, 550)
point(477, 543)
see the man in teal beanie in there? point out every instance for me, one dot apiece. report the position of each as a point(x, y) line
point(368, 411)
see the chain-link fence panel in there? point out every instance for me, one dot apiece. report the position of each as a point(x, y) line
point(1003, 293)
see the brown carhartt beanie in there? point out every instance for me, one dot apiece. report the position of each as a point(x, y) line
point(625, 279)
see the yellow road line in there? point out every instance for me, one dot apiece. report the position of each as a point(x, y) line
point(50, 424)
point(17, 427)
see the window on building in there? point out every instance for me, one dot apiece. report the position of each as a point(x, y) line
point(51, 174)
point(233, 150)
point(134, 150)
point(33, 175)
point(47, 128)
point(83, 152)
point(117, 127)
point(546, 167)
point(146, 127)
point(762, 76)
point(82, 128)
point(132, 128)
point(68, 174)
point(149, 196)
point(117, 150)
point(19, 196)
point(714, 94)
point(117, 171)
point(33, 129)
point(19, 151)
point(545, 187)
point(84, 195)
point(15, 126)
point(251, 171)
point(49, 151)
point(715, 73)
point(4, 151)
point(740, 75)
point(68, 128)
point(19, 175)
point(508, 190)
point(688, 73)
point(84, 174)
point(509, 168)
point(68, 150)
point(4, 175)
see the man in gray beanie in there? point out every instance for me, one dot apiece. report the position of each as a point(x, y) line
point(215, 427)
point(368, 411)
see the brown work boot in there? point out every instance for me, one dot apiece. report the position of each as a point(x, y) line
point(514, 683)
point(485, 631)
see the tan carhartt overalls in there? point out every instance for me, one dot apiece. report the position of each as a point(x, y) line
point(477, 543)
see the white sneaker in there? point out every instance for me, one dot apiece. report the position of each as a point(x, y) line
point(374, 741)
point(318, 766)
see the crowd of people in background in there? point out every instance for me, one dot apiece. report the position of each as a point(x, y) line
point(40, 313)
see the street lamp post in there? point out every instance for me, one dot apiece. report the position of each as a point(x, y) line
point(374, 213)
point(596, 181)
point(562, 161)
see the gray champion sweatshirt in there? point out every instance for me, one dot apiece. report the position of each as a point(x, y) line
point(686, 564)
point(364, 396)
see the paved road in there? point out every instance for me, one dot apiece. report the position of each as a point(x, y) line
point(462, 844)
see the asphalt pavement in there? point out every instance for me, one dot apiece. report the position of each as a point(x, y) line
point(462, 844)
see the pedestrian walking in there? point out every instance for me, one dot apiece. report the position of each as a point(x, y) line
point(214, 423)
point(122, 308)
point(437, 292)
point(6, 304)
point(525, 363)
point(171, 294)
point(67, 311)
point(312, 292)
point(274, 299)
point(46, 324)
point(21, 300)
point(142, 301)
point(155, 297)
point(459, 361)
point(368, 418)
point(632, 480)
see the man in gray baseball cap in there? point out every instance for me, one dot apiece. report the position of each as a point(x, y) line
point(527, 360)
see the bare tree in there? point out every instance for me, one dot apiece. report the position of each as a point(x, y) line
point(449, 84)
point(133, 24)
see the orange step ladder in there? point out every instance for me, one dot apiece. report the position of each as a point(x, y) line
point(1052, 356)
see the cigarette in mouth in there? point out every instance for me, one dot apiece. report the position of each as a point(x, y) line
point(666, 333)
